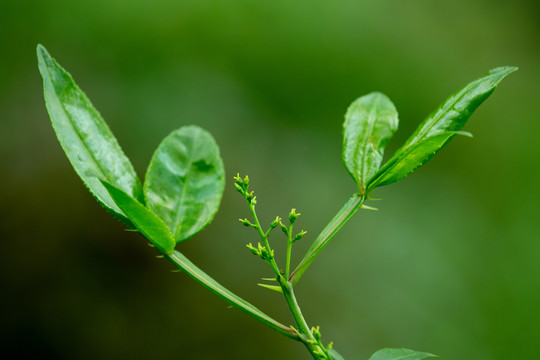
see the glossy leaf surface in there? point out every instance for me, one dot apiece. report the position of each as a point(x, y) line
point(340, 219)
point(458, 108)
point(446, 121)
point(185, 181)
point(86, 139)
point(145, 221)
point(400, 354)
point(370, 122)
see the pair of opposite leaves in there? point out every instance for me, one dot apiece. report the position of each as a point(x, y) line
point(185, 179)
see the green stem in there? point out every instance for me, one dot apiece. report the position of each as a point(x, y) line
point(304, 333)
point(264, 238)
point(308, 339)
point(289, 250)
point(184, 264)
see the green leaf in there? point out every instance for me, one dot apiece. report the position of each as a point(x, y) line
point(370, 122)
point(438, 128)
point(340, 219)
point(145, 221)
point(335, 355)
point(400, 354)
point(86, 139)
point(185, 181)
point(411, 158)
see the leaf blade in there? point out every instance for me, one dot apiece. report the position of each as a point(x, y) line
point(148, 223)
point(412, 158)
point(458, 108)
point(185, 181)
point(448, 118)
point(400, 354)
point(370, 122)
point(89, 144)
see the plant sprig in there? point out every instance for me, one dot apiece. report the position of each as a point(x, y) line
point(185, 181)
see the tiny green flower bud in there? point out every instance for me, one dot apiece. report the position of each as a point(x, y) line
point(245, 222)
point(239, 188)
point(318, 352)
point(316, 333)
point(293, 216)
point(246, 182)
point(275, 222)
point(238, 180)
point(284, 228)
point(249, 196)
point(253, 249)
point(300, 235)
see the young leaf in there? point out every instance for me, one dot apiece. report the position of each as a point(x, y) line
point(148, 224)
point(456, 110)
point(370, 122)
point(400, 354)
point(185, 181)
point(411, 158)
point(86, 139)
point(341, 218)
point(438, 128)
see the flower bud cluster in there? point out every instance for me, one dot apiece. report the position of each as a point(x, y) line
point(261, 251)
point(319, 349)
point(242, 186)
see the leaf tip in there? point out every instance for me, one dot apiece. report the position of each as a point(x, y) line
point(504, 70)
point(499, 73)
point(43, 57)
point(41, 51)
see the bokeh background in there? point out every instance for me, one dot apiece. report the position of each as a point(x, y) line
point(450, 264)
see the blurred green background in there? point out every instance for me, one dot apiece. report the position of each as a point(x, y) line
point(450, 264)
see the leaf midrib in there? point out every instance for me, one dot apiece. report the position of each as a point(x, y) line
point(371, 123)
point(75, 129)
point(180, 203)
point(432, 124)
